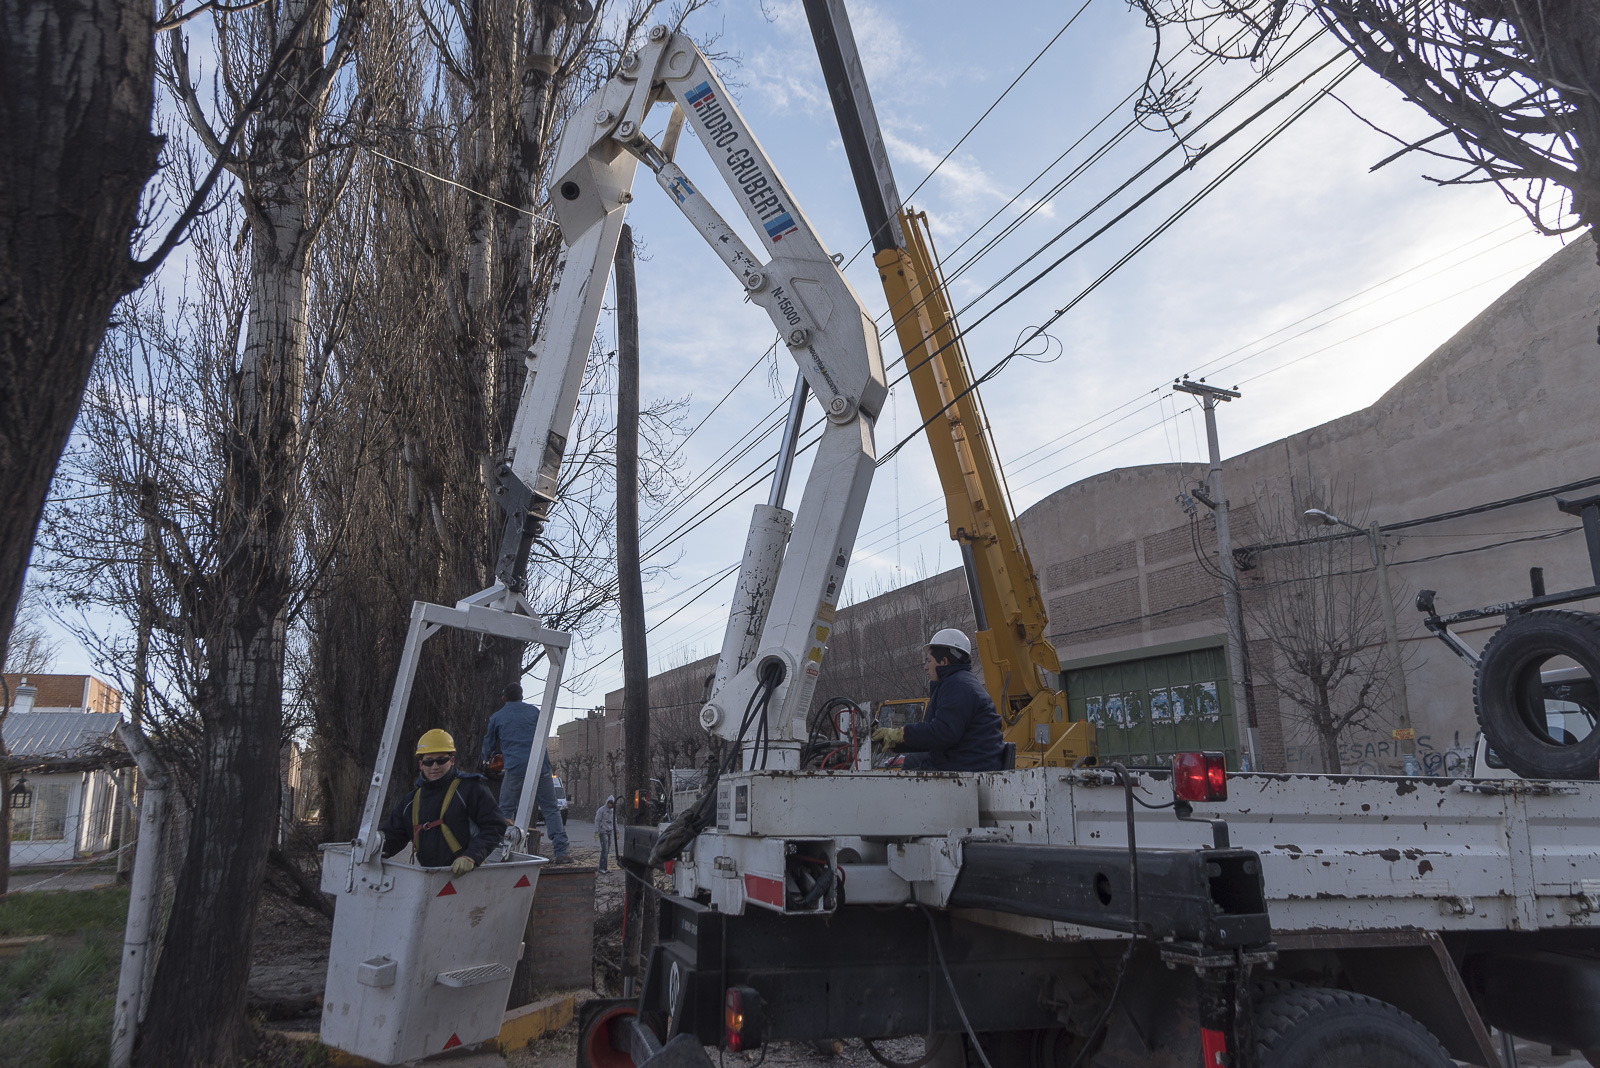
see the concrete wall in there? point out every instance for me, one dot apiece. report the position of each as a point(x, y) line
point(1504, 408)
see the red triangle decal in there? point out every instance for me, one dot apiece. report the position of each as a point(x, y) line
point(454, 1041)
point(521, 882)
point(449, 888)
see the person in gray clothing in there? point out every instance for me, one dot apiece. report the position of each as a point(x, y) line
point(605, 829)
point(511, 733)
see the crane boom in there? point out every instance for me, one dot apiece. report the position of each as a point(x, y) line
point(1020, 665)
point(788, 588)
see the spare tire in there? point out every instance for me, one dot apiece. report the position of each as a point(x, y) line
point(1509, 694)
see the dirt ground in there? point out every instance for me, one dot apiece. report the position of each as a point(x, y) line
point(560, 1051)
point(289, 964)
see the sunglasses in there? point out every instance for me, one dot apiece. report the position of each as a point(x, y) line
point(433, 762)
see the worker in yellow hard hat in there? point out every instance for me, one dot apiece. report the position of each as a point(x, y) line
point(451, 819)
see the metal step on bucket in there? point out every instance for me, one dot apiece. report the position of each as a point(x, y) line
point(421, 961)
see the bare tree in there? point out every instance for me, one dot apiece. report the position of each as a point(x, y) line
point(1512, 82)
point(1313, 601)
point(32, 650)
point(77, 89)
point(461, 254)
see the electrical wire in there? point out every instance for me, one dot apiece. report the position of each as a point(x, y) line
point(777, 410)
point(1144, 243)
point(962, 139)
point(938, 949)
point(1211, 186)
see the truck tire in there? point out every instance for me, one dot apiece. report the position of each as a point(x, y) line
point(1315, 1027)
point(1510, 696)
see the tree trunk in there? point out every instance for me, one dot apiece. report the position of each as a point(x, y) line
point(76, 91)
point(630, 586)
point(1328, 740)
point(196, 1014)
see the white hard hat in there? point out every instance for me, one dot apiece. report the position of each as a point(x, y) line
point(953, 638)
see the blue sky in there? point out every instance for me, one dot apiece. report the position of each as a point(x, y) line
point(1304, 279)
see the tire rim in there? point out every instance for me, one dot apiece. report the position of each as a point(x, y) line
point(598, 1049)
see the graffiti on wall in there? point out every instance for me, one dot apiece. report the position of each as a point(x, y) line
point(1371, 753)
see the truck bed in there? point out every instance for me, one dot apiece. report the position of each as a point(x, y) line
point(1345, 852)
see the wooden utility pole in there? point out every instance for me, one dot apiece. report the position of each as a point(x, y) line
point(630, 594)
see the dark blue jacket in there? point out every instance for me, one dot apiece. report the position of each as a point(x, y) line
point(473, 817)
point(961, 731)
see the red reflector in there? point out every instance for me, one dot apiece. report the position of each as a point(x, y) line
point(1200, 776)
point(733, 1019)
point(521, 882)
point(743, 1018)
point(1213, 1048)
point(453, 1043)
point(449, 888)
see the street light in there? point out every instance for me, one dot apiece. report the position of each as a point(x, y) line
point(1404, 734)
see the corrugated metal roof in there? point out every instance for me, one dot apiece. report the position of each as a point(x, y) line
point(58, 734)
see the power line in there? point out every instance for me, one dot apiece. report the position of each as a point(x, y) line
point(1139, 247)
point(959, 141)
point(702, 482)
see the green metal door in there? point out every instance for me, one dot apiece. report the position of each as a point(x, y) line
point(1146, 709)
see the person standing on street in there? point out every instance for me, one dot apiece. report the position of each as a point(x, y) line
point(451, 820)
point(605, 828)
point(511, 733)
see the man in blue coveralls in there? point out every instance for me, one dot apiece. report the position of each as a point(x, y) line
point(511, 733)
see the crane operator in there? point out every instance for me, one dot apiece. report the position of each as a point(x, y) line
point(961, 730)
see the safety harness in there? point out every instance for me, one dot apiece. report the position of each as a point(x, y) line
point(417, 826)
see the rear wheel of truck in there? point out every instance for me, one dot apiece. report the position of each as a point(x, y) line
point(1540, 738)
point(1312, 1027)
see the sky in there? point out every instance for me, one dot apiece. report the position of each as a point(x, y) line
point(1303, 278)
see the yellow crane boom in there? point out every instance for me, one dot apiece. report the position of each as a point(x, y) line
point(1020, 667)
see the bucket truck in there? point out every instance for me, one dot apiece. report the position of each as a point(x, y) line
point(1047, 915)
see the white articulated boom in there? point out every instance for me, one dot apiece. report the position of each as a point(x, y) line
point(784, 605)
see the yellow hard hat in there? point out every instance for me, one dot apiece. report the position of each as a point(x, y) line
point(436, 741)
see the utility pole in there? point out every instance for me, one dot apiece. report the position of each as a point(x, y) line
point(630, 590)
point(1404, 733)
point(1210, 397)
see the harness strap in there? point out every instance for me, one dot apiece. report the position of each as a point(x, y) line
point(417, 826)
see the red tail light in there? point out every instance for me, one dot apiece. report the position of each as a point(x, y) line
point(1200, 777)
point(743, 1014)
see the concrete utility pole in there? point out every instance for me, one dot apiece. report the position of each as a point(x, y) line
point(1403, 731)
point(1210, 396)
point(630, 587)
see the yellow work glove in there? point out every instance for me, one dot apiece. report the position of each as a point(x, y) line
point(461, 865)
point(888, 737)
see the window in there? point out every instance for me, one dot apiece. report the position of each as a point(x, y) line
point(46, 819)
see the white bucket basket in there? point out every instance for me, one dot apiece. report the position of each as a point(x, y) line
point(421, 962)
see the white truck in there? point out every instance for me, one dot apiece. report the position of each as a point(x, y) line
point(1051, 916)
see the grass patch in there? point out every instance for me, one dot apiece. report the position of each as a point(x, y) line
point(56, 998)
point(63, 912)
